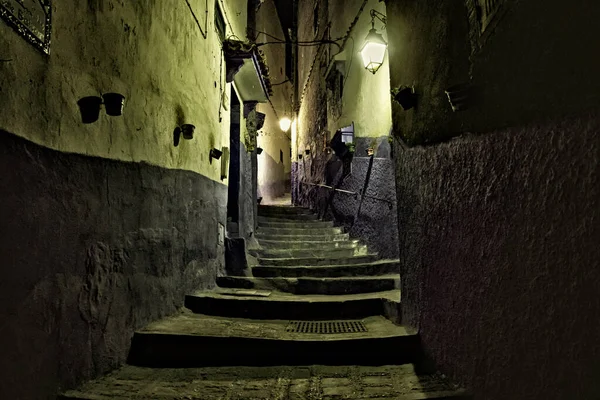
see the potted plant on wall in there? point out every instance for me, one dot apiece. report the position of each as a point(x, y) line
point(351, 147)
point(372, 147)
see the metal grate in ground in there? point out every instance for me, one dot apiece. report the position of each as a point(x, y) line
point(326, 327)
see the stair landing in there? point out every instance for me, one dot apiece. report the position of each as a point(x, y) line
point(398, 382)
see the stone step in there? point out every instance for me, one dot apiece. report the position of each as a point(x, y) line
point(288, 223)
point(322, 237)
point(309, 285)
point(308, 261)
point(291, 217)
point(195, 340)
point(397, 382)
point(329, 253)
point(380, 267)
point(300, 231)
point(244, 303)
point(308, 244)
point(264, 209)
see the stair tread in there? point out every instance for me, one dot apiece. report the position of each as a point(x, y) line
point(188, 323)
point(219, 293)
point(324, 279)
point(272, 241)
point(400, 382)
point(319, 257)
point(340, 266)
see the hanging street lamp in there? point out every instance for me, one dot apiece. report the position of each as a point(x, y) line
point(285, 123)
point(373, 50)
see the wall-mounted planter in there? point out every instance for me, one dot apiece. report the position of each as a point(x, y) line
point(187, 130)
point(460, 96)
point(215, 153)
point(307, 151)
point(405, 96)
point(113, 103)
point(259, 150)
point(89, 107)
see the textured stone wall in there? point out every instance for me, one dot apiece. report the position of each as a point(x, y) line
point(105, 227)
point(498, 226)
point(371, 218)
point(533, 63)
point(322, 113)
point(90, 250)
point(499, 249)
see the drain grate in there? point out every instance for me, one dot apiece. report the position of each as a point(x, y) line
point(326, 327)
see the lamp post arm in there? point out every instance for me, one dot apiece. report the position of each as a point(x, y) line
point(379, 16)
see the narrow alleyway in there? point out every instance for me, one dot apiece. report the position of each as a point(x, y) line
point(317, 319)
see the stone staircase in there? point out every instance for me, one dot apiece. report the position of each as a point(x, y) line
point(316, 319)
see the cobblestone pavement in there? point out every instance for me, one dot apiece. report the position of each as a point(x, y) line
point(268, 383)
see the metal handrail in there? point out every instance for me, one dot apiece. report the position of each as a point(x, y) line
point(330, 187)
point(390, 203)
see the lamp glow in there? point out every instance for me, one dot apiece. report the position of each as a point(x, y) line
point(285, 123)
point(373, 51)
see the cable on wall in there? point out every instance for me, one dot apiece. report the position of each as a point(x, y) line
point(202, 31)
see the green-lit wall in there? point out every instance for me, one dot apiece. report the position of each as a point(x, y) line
point(366, 97)
point(153, 53)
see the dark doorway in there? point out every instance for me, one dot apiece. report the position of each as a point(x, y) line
point(233, 209)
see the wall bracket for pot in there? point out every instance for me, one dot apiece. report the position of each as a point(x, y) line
point(185, 130)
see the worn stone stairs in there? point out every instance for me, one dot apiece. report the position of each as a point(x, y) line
point(317, 318)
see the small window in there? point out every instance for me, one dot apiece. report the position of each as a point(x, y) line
point(348, 133)
point(281, 156)
point(220, 22)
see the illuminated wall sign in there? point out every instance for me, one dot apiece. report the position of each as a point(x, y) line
point(31, 19)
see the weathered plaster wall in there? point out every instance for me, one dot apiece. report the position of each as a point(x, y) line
point(525, 69)
point(107, 226)
point(498, 227)
point(103, 46)
point(90, 250)
point(366, 97)
point(499, 248)
point(274, 175)
point(366, 101)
